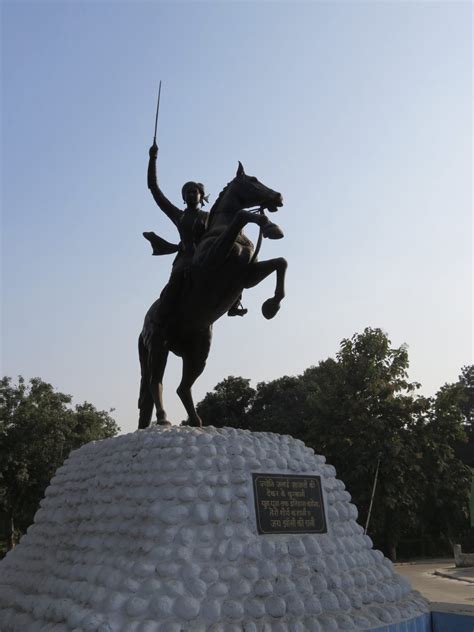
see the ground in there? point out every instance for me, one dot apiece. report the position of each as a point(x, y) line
point(444, 585)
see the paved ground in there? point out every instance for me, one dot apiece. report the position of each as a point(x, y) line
point(448, 588)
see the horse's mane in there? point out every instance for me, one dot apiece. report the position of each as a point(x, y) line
point(216, 204)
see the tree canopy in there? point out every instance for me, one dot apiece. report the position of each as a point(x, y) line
point(228, 404)
point(38, 429)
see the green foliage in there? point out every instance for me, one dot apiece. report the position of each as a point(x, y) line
point(363, 410)
point(38, 429)
point(228, 404)
point(463, 392)
point(446, 501)
point(360, 410)
point(277, 405)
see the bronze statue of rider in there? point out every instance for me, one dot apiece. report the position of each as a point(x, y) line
point(191, 224)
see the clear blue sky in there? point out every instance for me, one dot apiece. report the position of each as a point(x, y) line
point(358, 112)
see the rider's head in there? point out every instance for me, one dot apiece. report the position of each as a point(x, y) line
point(193, 194)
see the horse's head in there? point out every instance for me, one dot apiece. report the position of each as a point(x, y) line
point(249, 191)
point(242, 193)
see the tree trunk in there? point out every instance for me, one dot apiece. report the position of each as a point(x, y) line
point(392, 552)
point(9, 530)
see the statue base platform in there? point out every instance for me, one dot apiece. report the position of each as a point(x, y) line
point(189, 530)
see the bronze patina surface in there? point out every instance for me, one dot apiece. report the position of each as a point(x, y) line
point(215, 262)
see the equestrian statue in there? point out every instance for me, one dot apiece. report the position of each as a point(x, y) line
point(215, 262)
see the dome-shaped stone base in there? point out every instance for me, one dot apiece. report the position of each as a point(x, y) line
point(156, 531)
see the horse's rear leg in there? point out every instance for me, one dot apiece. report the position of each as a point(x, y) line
point(145, 404)
point(194, 361)
point(262, 269)
point(145, 400)
point(156, 367)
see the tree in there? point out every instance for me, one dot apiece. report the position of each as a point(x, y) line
point(279, 406)
point(363, 409)
point(228, 404)
point(38, 429)
point(446, 497)
point(463, 392)
point(448, 439)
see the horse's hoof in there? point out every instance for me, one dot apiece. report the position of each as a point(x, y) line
point(272, 231)
point(162, 421)
point(270, 308)
point(195, 423)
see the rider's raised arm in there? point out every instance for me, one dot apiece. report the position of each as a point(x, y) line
point(172, 211)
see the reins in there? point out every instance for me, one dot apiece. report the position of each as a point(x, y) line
point(260, 235)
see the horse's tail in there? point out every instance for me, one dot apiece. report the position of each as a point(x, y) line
point(145, 399)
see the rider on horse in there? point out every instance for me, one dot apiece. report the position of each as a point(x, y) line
point(191, 224)
point(210, 272)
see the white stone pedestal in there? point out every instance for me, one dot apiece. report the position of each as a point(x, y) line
point(155, 531)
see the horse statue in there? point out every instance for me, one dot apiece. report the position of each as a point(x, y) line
point(223, 265)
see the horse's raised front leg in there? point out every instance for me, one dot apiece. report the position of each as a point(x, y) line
point(258, 272)
point(225, 242)
point(194, 360)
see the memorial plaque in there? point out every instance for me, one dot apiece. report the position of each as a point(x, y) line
point(288, 503)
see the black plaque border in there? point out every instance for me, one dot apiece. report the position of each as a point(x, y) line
point(260, 531)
